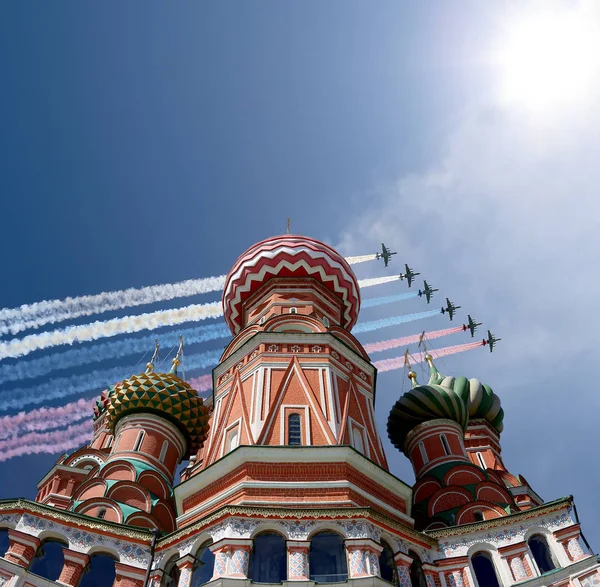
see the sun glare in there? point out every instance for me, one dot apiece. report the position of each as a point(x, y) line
point(550, 60)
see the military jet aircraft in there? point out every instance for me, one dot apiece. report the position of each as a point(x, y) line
point(409, 275)
point(427, 292)
point(471, 325)
point(491, 341)
point(450, 308)
point(385, 254)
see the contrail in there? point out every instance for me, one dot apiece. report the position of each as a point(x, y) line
point(360, 259)
point(371, 281)
point(41, 418)
point(398, 362)
point(96, 330)
point(392, 343)
point(392, 321)
point(372, 302)
point(54, 447)
point(59, 387)
point(15, 320)
point(38, 314)
point(57, 436)
point(104, 351)
point(116, 349)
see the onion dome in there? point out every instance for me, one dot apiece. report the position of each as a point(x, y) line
point(482, 401)
point(423, 403)
point(102, 402)
point(289, 256)
point(166, 395)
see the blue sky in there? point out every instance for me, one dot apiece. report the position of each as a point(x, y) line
point(150, 143)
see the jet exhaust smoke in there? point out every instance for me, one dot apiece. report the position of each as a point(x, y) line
point(392, 321)
point(67, 442)
point(360, 259)
point(392, 343)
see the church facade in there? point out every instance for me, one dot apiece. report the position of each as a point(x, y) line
point(285, 477)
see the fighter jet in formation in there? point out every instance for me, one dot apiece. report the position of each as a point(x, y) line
point(409, 275)
point(491, 341)
point(471, 325)
point(385, 254)
point(450, 308)
point(427, 291)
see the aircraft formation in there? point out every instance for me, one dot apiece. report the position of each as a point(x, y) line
point(428, 291)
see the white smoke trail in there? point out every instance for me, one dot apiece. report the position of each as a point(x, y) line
point(86, 332)
point(38, 314)
point(360, 259)
point(377, 281)
point(15, 320)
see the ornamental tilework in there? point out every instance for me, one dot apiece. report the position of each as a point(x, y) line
point(298, 529)
point(455, 579)
point(518, 568)
point(359, 529)
point(233, 528)
point(374, 563)
point(592, 580)
point(239, 562)
point(185, 578)
point(220, 568)
point(404, 576)
point(430, 580)
point(575, 549)
point(460, 547)
point(357, 563)
point(298, 562)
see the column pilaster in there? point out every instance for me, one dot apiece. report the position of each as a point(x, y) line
point(22, 548)
point(297, 555)
point(231, 558)
point(363, 558)
point(127, 576)
point(186, 567)
point(156, 578)
point(75, 564)
point(403, 562)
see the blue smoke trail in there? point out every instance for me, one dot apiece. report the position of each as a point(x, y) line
point(116, 349)
point(60, 387)
point(372, 302)
point(392, 321)
point(108, 350)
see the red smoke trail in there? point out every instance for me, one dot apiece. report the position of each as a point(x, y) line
point(44, 418)
point(49, 448)
point(55, 437)
point(392, 343)
point(202, 383)
point(398, 362)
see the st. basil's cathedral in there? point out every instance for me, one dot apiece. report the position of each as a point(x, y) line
point(284, 476)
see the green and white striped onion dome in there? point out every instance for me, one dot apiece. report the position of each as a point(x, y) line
point(422, 404)
point(166, 395)
point(483, 402)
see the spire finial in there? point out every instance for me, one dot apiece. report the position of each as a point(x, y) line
point(411, 374)
point(433, 372)
point(176, 361)
point(154, 359)
point(288, 225)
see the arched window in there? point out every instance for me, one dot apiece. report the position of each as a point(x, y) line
point(423, 451)
point(138, 441)
point(485, 573)
point(99, 572)
point(387, 565)
point(101, 513)
point(541, 553)
point(357, 440)
point(445, 444)
point(163, 451)
point(293, 310)
point(49, 560)
point(203, 566)
point(171, 575)
point(232, 439)
point(481, 461)
point(294, 430)
point(4, 541)
point(268, 559)
point(327, 558)
point(478, 515)
point(325, 321)
point(417, 576)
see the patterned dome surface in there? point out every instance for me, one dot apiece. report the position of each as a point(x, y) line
point(482, 401)
point(289, 256)
point(166, 395)
point(423, 403)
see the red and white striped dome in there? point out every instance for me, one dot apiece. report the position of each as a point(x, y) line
point(289, 256)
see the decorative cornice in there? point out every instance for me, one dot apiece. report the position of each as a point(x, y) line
point(80, 520)
point(503, 521)
point(299, 514)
